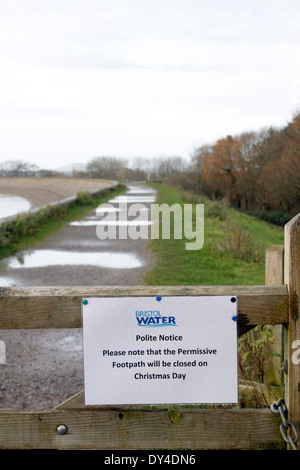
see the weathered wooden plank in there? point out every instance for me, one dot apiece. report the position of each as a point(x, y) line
point(274, 276)
point(106, 428)
point(292, 279)
point(274, 265)
point(60, 307)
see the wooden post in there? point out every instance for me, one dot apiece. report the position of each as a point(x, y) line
point(274, 265)
point(274, 276)
point(292, 279)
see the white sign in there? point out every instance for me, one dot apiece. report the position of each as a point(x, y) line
point(148, 350)
point(2, 353)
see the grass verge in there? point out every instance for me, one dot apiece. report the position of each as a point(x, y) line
point(233, 251)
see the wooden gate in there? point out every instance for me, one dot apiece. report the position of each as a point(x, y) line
point(71, 425)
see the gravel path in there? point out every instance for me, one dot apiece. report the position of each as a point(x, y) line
point(45, 367)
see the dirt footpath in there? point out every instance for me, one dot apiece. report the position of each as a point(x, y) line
point(45, 367)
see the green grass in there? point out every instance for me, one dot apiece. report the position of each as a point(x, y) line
point(50, 224)
point(220, 261)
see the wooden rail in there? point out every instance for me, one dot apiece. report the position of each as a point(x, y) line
point(108, 428)
point(60, 307)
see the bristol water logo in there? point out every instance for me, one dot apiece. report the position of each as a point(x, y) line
point(153, 318)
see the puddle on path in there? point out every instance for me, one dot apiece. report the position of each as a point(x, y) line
point(12, 205)
point(107, 259)
point(91, 222)
point(42, 258)
point(132, 199)
point(103, 210)
point(139, 190)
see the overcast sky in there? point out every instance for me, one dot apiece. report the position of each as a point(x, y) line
point(84, 78)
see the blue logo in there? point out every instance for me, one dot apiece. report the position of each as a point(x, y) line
point(153, 318)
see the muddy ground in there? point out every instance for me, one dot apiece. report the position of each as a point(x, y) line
point(45, 367)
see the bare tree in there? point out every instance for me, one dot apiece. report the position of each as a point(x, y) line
point(18, 168)
point(106, 167)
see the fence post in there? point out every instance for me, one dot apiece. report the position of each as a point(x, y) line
point(273, 373)
point(292, 280)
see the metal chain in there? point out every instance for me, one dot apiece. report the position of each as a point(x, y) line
point(280, 407)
